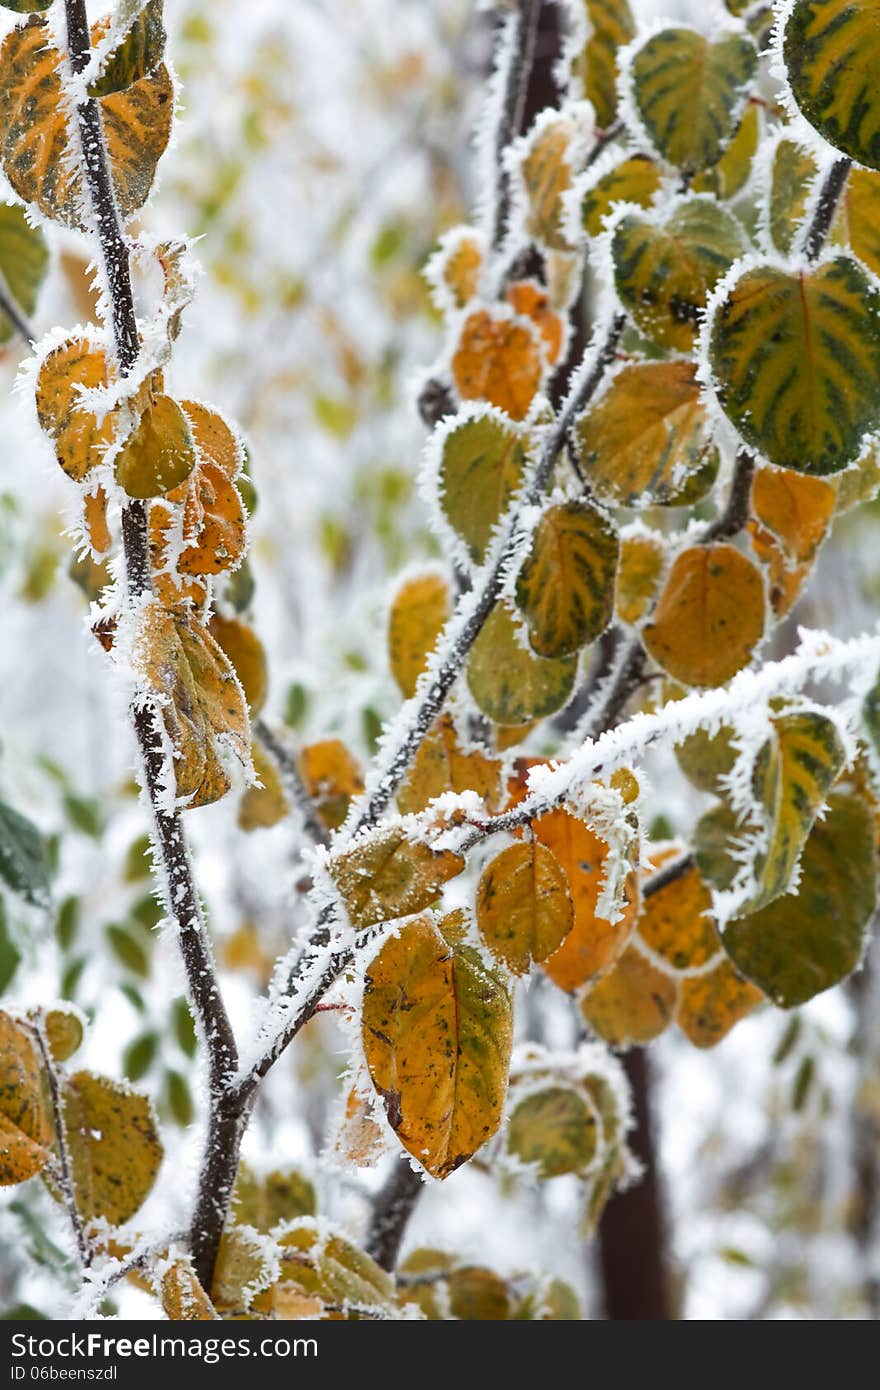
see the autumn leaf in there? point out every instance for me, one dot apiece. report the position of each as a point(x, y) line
point(25, 1133)
point(510, 684)
point(481, 468)
point(498, 360)
point(443, 764)
point(418, 614)
point(554, 1128)
point(524, 907)
point(635, 1003)
point(387, 875)
point(333, 776)
point(114, 1146)
point(566, 585)
point(76, 433)
point(830, 53)
point(709, 617)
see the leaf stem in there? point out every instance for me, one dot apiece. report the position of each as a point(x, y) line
point(11, 310)
point(65, 1167)
point(179, 890)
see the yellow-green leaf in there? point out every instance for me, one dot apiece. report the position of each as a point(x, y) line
point(610, 25)
point(442, 764)
point(25, 1134)
point(566, 585)
point(705, 758)
point(688, 92)
point(137, 55)
point(635, 180)
point(794, 772)
point(511, 684)
point(64, 1032)
point(709, 617)
point(833, 63)
point(24, 259)
point(554, 1128)
point(731, 173)
point(664, 274)
point(647, 441)
point(387, 875)
point(437, 1032)
point(804, 943)
point(418, 614)
point(796, 363)
point(160, 452)
point(524, 907)
point(546, 172)
point(114, 1146)
point(677, 924)
point(263, 1201)
point(321, 1264)
point(633, 1004)
point(860, 208)
point(793, 173)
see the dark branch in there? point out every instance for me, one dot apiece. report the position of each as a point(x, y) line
point(293, 780)
point(736, 512)
point(65, 1168)
point(11, 310)
point(513, 105)
point(393, 1207)
point(817, 232)
point(670, 873)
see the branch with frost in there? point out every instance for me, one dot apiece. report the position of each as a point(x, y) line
point(63, 1168)
point(826, 207)
point(516, 46)
point(394, 1205)
point(173, 858)
point(292, 779)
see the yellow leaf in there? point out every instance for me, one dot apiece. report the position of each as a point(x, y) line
point(333, 776)
point(793, 173)
point(524, 907)
point(546, 176)
point(795, 507)
point(78, 438)
point(610, 25)
point(478, 1295)
point(711, 1004)
point(34, 133)
point(437, 1032)
point(634, 1004)
point(441, 765)
point(324, 1265)
point(95, 521)
point(183, 1298)
point(387, 875)
point(861, 210)
point(360, 1140)
point(247, 654)
point(64, 1032)
point(566, 585)
point(25, 1133)
point(730, 174)
point(710, 616)
point(247, 1265)
point(264, 806)
point(418, 614)
point(677, 924)
point(159, 454)
point(458, 265)
point(634, 180)
point(642, 558)
point(498, 360)
point(114, 1146)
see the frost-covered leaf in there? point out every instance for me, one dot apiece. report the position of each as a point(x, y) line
point(796, 363)
point(137, 55)
point(796, 507)
point(437, 1032)
point(263, 1201)
point(635, 180)
point(387, 875)
point(481, 468)
point(566, 585)
point(794, 772)
point(714, 838)
point(457, 265)
point(114, 1146)
point(860, 207)
point(793, 172)
point(160, 452)
point(647, 440)
point(709, 617)
point(95, 522)
point(712, 1003)
point(688, 92)
point(34, 136)
point(664, 274)
point(180, 661)
point(442, 765)
point(498, 360)
point(183, 1298)
point(248, 656)
point(676, 922)
point(511, 684)
point(642, 558)
point(705, 758)
point(731, 173)
point(25, 1133)
point(24, 260)
point(206, 533)
point(418, 613)
point(524, 907)
point(833, 63)
point(555, 1128)
point(806, 942)
point(610, 25)
point(546, 173)
point(333, 776)
point(24, 859)
point(76, 433)
point(319, 1262)
point(533, 302)
point(635, 1003)
point(247, 1264)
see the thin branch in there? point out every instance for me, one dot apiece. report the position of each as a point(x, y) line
point(11, 310)
point(182, 900)
point(293, 781)
point(603, 138)
point(736, 512)
point(820, 226)
point(393, 1207)
point(670, 873)
point(522, 31)
point(64, 1170)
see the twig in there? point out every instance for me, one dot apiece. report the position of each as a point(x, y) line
point(9, 307)
point(522, 30)
point(182, 900)
point(64, 1167)
point(603, 138)
point(293, 780)
point(670, 873)
point(736, 512)
point(393, 1207)
point(817, 232)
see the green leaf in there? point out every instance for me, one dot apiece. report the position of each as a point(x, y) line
point(184, 1028)
point(138, 860)
point(646, 442)
point(139, 1056)
point(664, 274)
point(178, 1098)
point(67, 923)
point(129, 948)
point(554, 1128)
point(796, 362)
point(804, 943)
point(793, 174)
point(795, 770)
point(510, 684)
point(610, 25)
point(10, 955)
point(705, 758)
point(832, 58)
point(24, 259)
point(566, 585)
point(84, 814)
point(24, 865)
point(115, 1148)
point(481, 468)
point(71, 977)
point(635, 180)
point(139, 53)
point(713, 838)
point(689, 91)
point(26, 6)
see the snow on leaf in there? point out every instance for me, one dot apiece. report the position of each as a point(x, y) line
point(387, 875)
point(566, 585)
point(830, 52)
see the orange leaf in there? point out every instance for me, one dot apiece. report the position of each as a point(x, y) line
point(710, 616)
point(711, 1004)
point(795, 507)
point(418, 613)
point(497, 360)
point(332, 776)
point(533, 302)
point(441, 765)
point(634, 1004)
